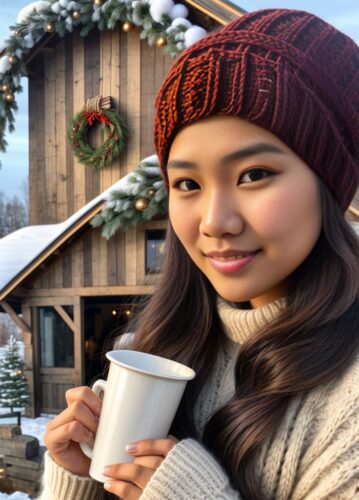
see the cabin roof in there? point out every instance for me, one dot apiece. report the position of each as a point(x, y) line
point(27, 248)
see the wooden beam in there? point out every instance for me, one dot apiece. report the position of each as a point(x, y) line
point(40, 46)
point(16, 319)
point(40, 296)
point(61, 312)
point(49, 301)
point(79, 340)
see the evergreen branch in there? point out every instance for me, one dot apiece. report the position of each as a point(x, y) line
point(60, 18)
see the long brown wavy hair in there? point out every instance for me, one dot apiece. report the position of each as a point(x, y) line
point(313, 340)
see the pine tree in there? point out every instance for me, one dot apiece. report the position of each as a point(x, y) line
point(14, 389)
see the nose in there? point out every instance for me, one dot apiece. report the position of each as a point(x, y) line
point(220, 215)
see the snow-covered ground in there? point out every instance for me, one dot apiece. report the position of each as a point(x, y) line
point(31, 426)
point(18, 495)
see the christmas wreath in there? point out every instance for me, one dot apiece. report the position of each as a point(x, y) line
point(115, 133)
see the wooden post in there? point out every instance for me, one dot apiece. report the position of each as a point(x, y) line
point(16, 319)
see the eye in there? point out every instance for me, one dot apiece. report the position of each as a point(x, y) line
point(254, 174)
point(185, 185)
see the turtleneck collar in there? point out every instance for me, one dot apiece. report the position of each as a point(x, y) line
point(242, 323)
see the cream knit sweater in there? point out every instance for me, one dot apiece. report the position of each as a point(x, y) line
point(313, 455)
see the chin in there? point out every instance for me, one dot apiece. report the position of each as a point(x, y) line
point(234, 296)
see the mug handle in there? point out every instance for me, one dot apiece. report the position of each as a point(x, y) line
point(98, 387)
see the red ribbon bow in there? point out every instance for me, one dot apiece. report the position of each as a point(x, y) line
point(92, 116)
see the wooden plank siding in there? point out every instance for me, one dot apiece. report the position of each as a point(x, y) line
point(60, 133)
point(134, 136)
point(37, 196)
point(122, 95)
point(92, 72)
point(108, 63)
point(69, 106)
point(89, 247)
point(61, 79)
point(49, 182)
point(78, 90)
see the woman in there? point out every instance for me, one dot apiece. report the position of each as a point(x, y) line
point(257, 135)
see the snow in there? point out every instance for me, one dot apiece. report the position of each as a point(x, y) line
point(29, 426)
point(26, 11)
point(20, 345)
point(14, 496)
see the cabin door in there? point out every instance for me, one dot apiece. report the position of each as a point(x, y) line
point(59, 353)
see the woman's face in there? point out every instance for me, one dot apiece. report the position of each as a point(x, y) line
point(245, 207)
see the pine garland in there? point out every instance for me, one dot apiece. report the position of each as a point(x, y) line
point(168, 30)
point(143, 184)
point(112, 146)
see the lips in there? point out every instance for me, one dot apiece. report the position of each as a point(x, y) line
point(230, 260)
point(230, 254)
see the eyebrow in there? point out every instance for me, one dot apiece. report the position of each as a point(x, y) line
point(254, 149)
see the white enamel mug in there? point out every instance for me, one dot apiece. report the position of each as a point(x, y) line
point(141, 397)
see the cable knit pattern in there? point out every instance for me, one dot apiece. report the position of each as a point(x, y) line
point(188, 459)
point(59, 484)
point(240, 323)
point(312, 455)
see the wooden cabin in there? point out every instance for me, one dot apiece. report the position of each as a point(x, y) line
point(66, 287)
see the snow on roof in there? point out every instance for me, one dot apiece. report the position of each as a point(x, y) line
point(21, 248)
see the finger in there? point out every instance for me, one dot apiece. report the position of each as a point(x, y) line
point(86, 395)
point(77, 411)
point(123, 490)
point(137, 474)
point(159, 447)
point(151, 462)
point(60, 437)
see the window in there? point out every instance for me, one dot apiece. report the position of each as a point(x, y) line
point(155, 239)
point(56, 339)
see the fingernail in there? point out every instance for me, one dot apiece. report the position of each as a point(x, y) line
point(105, 471)
point(108, 485)
point(131, 448)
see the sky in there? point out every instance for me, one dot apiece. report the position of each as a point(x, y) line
point(344, 15)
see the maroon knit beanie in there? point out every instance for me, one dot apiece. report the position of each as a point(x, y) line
point(285, 70)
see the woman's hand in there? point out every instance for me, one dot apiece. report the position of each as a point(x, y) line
point(129, 480)
point(71, 427)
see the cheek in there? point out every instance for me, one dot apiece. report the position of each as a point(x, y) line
point(182, 223)
point(292, 219)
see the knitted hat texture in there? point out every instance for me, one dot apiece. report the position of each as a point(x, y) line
point(285, 70)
